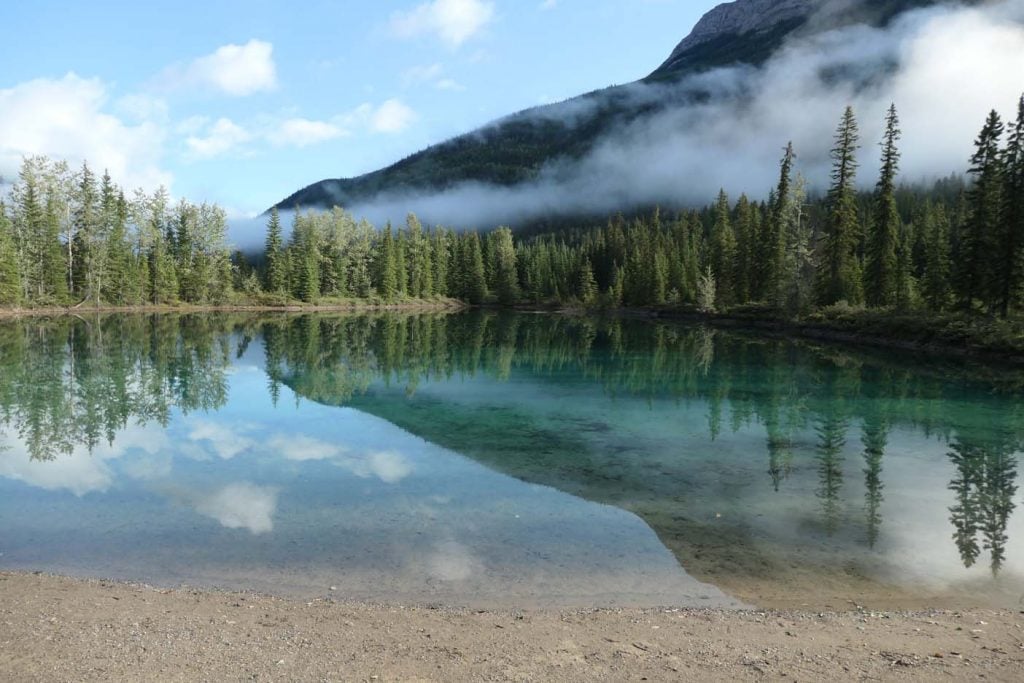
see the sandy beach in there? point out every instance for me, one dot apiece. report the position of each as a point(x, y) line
point(62, 629)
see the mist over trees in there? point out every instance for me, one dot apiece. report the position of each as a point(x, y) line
point(68, 238)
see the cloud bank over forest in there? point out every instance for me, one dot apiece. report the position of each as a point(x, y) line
point(944, 67)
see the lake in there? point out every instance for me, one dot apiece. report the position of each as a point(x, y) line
point(497, 460)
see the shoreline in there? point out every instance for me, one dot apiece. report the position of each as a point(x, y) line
point(76, 629)
point(849, 331)
point(354, 306)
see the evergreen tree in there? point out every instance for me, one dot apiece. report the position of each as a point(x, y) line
point(387, 267)
point(1010, 265)
point(275, 279)
point(935, 285)
point(978, 239)
point(475, 287)
point(723, 255)
point(503, 253)
point(586, 287)
point(838, 272)
point(772, 249)
point(10, 275)
point(880, 277)
point(746, 244)
point(440, 258)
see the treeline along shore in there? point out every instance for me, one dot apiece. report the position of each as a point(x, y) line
point(940, 265)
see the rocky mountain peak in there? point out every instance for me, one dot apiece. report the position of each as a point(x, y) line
point(739, 18)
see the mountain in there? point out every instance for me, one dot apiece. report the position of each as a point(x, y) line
point(519, 148)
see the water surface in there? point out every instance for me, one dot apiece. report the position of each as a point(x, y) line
point(486, 459)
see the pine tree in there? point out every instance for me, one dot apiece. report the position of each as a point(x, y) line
point(796, 272)
point(441, 259)
point(979, 237)
point(10, 275)
point(772, 249)
point(880, 276)
point(935, 285)
point(723, 254)
point(1011, 262)
point(415, 255)
point(838, 272)
point(746, 243)
point(586, 287)
point(475, 291)
point(387, 266)
point(275, 280)
point(503, 253)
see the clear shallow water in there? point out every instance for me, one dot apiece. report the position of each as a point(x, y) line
point(487, 459)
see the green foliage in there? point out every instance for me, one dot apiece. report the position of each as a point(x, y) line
point(885, 280)
point(503, 259)
point(10, 277)
point(978, 239)
point(276, 274)
point(839, 271)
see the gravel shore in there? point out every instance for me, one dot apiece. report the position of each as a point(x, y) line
point(62, 629)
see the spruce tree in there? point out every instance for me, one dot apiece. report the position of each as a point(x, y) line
point(976, 279)
point(746, 244)
point(473, 265)
point(1011, 252)
point(935, 287)
point(772, 250)
point(10, 275)
point(880, 276)
point(441, 258)
point(586, 288)
point(275, 279)
point(503, 253)
point(839, 272)
point(387, 266)
point(723, 254)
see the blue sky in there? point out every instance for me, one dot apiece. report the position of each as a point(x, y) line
point(244, 102)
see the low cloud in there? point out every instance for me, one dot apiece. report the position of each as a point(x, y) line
point(944, 67)
point(452, 21)
point(235, 70)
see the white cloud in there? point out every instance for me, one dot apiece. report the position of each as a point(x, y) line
point(65, 118)
point(221, 137)
point(227, 441)
point(241, 506)
point(80, 472)
point(300, 447)
point(548, 4)
point(393, 116)
point(452, 21)
point(236, 70)
point(388, 466)
point(300, 132)
point(140, 107)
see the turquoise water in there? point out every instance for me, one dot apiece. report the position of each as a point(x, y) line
point(486, 460)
